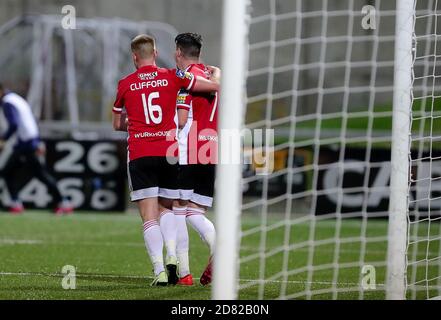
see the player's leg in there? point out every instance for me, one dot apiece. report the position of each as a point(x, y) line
point(183, 243)
point(197, 219)
point(205, 228)
point(148, 209)
point(169, 233)
point(14, 162)
point(201, 199)
point(144, 190)
point(168, 225)
point(168, 191)
point(180, 211)
point(41, 172)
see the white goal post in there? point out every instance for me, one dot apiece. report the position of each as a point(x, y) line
point(228, 184)
point(351, 205)
point(399, 184)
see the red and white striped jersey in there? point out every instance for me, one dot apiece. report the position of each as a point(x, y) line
point(198, 140)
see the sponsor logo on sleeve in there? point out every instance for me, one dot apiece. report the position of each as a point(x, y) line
point(184, 74)
point(180, 73)
point(181, 98)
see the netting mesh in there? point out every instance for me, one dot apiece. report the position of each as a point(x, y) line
point(316, 227)
point(424, 233)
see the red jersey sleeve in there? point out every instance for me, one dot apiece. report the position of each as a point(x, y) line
point(119, 101)
point(186, 79)
point(183, 100)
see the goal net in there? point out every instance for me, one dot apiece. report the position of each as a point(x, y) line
point(329, 215)
point(424, 226)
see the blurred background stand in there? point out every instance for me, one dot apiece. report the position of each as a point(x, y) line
point(69, 77)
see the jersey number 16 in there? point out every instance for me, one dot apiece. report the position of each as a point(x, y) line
point(150, 108)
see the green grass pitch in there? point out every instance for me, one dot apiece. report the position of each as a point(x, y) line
point(111, 261)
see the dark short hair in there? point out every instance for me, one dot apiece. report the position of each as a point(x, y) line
point(190, 44)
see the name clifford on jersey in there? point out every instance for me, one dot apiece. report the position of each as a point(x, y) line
point(149, 84)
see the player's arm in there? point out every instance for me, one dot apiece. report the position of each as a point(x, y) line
point(182, 118)
point(205, 85)
point(118, 117)
point(197, 83)
point(11, 116)
point(202, 86)
point(183, 105)
point(120, 121)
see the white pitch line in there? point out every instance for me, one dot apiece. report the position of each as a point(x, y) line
point(104, 276)
point(19, 241)
point(40, 274)
point(106, 243)
point(112, 276)
point(84, 243)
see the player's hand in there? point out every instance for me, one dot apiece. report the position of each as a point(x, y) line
point(2, 144)
point(41, 149)
point(124, 121)
point(215, 73)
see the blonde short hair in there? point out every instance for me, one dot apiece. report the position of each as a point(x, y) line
point(143, 46)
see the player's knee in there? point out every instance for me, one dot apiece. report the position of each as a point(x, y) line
point(165, 203)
